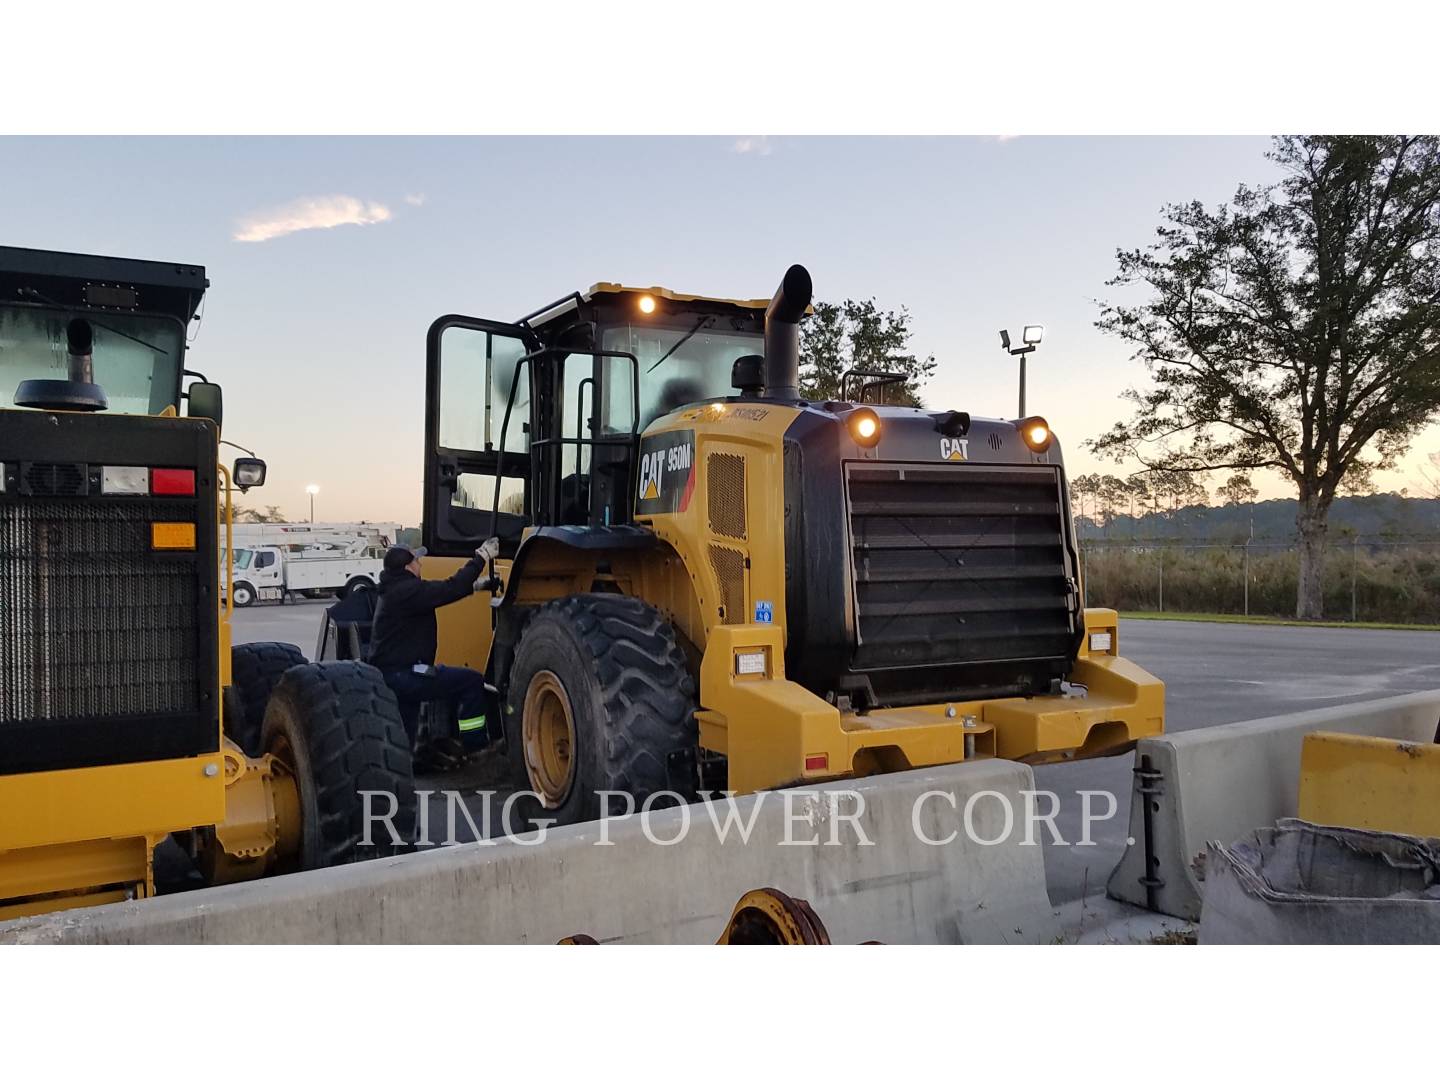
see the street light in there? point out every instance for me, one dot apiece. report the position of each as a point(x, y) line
point(1031, 337)
point(312, 491)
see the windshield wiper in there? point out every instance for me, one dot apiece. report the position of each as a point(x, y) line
point(705, 321)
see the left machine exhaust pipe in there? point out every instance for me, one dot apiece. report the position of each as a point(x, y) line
point(80, 344)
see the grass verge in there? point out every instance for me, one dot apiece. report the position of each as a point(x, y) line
point(1269, 620)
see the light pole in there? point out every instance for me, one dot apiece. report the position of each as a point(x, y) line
point(1030, 337)
point(312, 491)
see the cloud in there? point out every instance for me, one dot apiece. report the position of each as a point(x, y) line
point(1002, 138)
point(316, 212)
point(416, 200)
point(752, 144)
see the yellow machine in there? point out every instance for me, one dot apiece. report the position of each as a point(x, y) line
point(707, 582)
point(125, 715)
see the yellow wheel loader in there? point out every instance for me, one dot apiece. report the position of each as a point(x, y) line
point(125, 716)
point(706, 581)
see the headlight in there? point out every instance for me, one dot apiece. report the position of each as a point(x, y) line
point(248, 472)
point(1036, 433)
point(864, 427)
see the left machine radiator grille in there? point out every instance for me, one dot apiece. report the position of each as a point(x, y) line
point(95, 628)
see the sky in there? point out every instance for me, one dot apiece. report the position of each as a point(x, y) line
point(328, 258)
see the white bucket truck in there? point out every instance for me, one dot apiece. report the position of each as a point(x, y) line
point(280, 562)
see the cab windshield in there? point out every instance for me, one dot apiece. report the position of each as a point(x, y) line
point(136, 357)
point(680, 363)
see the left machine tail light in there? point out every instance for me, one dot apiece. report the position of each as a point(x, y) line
point(172, 481)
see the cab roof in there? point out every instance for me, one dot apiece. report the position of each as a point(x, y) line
point(601, 288)
point(101, 281)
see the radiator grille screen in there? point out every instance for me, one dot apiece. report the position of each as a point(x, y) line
point(958, 565)
point(90, 627)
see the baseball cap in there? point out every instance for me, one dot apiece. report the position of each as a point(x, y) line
point(401, 556)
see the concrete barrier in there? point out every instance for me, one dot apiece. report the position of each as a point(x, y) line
point(1218, 784)
point(896, 889)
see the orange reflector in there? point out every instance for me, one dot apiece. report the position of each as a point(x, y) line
point(817, 761)
point(172, 536)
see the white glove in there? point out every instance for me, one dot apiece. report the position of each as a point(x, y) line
point(489, 550)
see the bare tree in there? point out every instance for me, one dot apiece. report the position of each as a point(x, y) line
point(1430, 478)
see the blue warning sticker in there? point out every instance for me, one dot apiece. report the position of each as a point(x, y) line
point(764, 611)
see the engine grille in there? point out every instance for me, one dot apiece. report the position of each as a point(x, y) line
point(961, 570)
point(90, 627)
point(729, 567)
point(725, 494)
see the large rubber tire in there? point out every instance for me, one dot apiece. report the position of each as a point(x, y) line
point(255, 669)
point(338, 726)
point(356, 584)
point(242, 594)
point(631, 697)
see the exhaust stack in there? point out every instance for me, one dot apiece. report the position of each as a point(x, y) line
point(80, 344)
point(79, 390)
point(782, 333)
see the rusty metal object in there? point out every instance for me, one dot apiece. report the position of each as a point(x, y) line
point(762, 917)
point(771, 917)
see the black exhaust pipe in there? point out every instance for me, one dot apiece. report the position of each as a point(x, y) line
point(79, 391)
point(80, 344)
point(782, 333)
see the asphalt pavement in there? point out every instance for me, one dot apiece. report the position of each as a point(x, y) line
point(1214, 673)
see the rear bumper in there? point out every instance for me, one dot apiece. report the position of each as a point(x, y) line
point(774, 732)
point(80, 836)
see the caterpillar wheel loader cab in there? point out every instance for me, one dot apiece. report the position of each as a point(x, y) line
point(706, 581)
point(125, 715)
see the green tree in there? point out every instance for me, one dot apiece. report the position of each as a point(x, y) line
point(1112, 495)
point(1237, 491)
point(857, 334)
point(1137, 487)
point(1177, 489)
point(1083, 490)
point(1296, 329)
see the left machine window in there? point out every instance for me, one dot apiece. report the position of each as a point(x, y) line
point(136, 358)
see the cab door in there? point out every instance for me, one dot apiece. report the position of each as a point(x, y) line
point(477, 465)
point(265, 568)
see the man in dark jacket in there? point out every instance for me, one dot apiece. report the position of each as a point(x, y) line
point(402, 637)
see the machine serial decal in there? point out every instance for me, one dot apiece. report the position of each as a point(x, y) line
point(954, 449)
point(667, 473)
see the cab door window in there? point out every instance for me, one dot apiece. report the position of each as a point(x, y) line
point(476, 470)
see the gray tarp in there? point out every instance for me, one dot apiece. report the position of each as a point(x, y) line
point(1304, 884)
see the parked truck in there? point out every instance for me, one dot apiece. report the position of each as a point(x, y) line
point(277, 562)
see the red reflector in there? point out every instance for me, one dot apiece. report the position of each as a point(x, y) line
point(817, 761)
point(172, 481)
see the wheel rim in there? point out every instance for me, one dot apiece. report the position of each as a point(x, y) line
point(548, 730)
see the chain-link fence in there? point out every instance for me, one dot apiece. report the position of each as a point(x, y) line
point(1366, 579)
